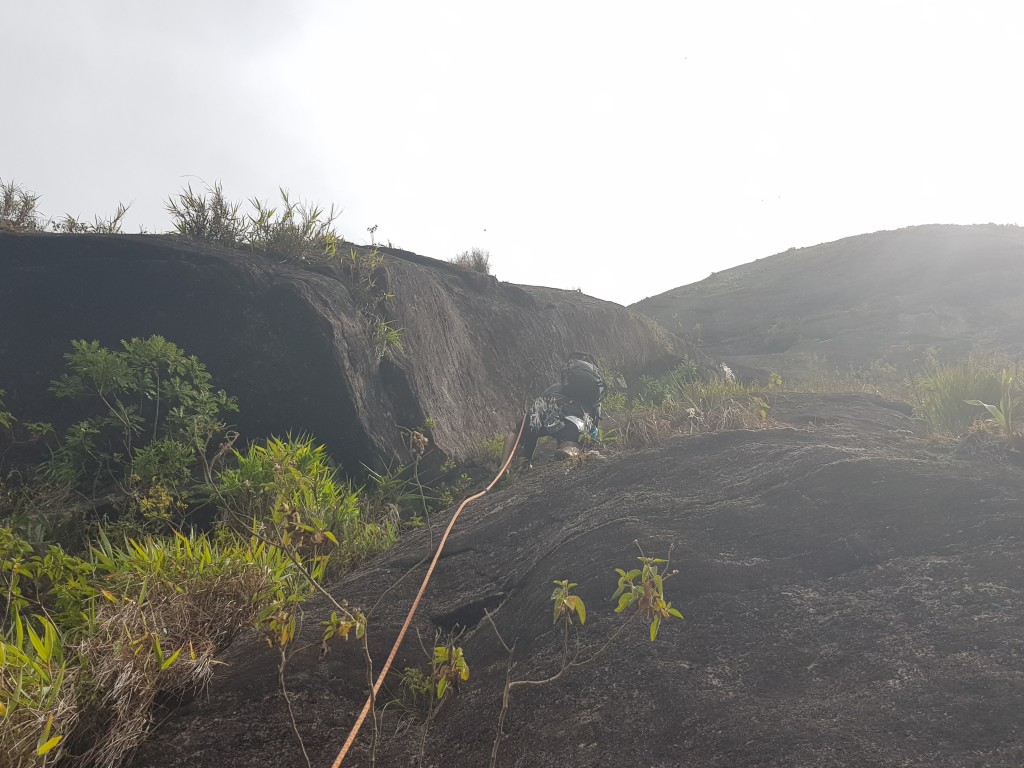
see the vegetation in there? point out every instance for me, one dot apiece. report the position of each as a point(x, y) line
point(946, 394)
point(476, 259)
point(208, 216)
point(685, 402)
point(110, 226)
point(95, 627)
point(640, 588)
point(1004, 415)
point(290, 231)
point(140, 603)
point(18, 210)
point(144, 444)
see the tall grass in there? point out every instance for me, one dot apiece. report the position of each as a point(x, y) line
point(684, 402)
point(942, 394)
point(291, 230)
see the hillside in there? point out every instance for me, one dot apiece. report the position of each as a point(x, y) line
point(886, 296)
point(302, 348)
point(852, 595)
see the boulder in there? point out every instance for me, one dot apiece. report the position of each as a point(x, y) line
point(296, 343)
point(852, 596)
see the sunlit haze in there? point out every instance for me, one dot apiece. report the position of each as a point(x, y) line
point(622, 148)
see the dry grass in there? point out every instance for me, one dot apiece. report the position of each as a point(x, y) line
point(477, 260)
point(18, 212)
point(688, 408)
point(127, 654)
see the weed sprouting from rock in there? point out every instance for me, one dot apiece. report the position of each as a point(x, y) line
point(18, 209)
point(476, 259)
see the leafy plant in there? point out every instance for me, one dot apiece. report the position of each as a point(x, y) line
point(951, 397)
point(644, 587)
point(1003, 415)
point(567, 604)
point(288, 490)
point(35, 707)
point(155, 414)
point(450, 668)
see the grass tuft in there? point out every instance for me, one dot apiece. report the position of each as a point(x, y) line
point(18, 209)
point(476, 259)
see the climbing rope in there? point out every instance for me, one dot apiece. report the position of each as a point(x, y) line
point(415, 604)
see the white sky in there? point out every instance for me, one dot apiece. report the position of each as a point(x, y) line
point(624, 148)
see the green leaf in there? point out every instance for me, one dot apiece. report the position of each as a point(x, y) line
point(674, 612)
point(170, 660)
point(442, 686)
point(37, 643)
point(42, 749)
point(624, 602)
point(654, 627)
point(581, 611)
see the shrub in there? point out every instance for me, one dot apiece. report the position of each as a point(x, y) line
point(154, 415)
point(289, 492)
point(477, 259)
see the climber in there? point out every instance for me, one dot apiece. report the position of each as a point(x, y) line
point(568, 411)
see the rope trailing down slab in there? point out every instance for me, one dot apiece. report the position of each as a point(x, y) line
point(415, 604)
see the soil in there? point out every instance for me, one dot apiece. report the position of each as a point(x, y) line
point(884, 298)
point(852, 591)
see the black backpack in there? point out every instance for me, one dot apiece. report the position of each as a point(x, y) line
point(582, 382)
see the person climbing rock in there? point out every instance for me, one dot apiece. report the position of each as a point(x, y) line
point(568, 411)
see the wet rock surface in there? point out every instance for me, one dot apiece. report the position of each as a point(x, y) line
point(853, 597)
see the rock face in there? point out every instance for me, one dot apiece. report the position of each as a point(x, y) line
point(885, 296)
point(296, 345)
point(853, 596)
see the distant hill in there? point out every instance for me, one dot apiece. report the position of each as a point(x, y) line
point(884, 296)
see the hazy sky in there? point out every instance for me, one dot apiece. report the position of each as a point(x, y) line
point(624, 148)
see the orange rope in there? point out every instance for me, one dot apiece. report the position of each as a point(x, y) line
point(415, 604)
